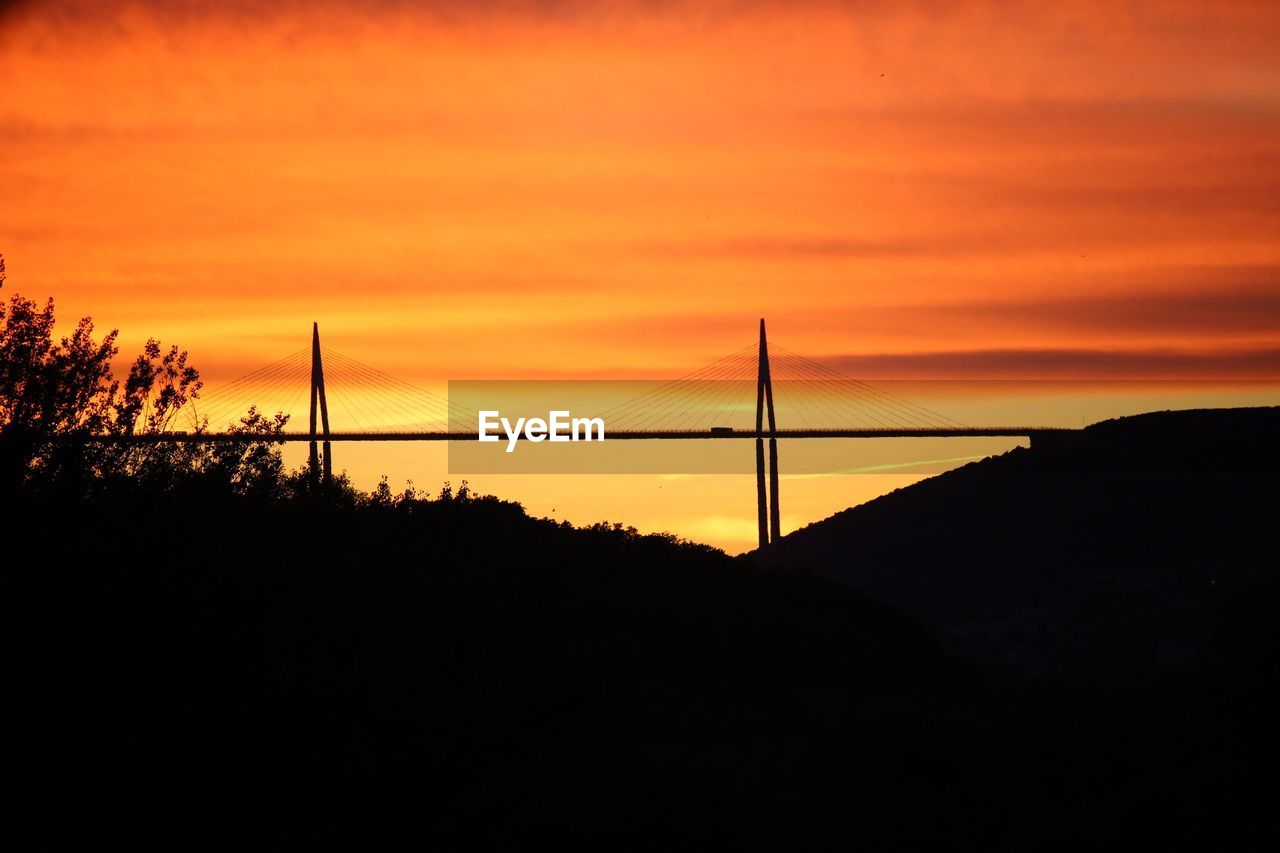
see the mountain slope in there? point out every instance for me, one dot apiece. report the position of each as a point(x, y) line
point(471, 669)
point(1125, 548)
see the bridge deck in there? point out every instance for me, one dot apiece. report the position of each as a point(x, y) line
point(444, 435)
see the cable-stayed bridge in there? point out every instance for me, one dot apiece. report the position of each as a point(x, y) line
point(738, 396)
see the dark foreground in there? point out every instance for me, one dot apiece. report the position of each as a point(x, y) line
point(194, 665)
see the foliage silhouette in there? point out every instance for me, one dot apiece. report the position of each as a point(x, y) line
point(52, 390)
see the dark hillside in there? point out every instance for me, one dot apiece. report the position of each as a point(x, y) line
point(1130, 548)
point(201, 663)
point(207, 650)
point(219, 661)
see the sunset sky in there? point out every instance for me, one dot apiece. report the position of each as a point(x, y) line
point(544, 189)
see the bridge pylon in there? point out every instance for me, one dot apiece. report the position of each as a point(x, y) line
point(317, 394)
point(768, 514)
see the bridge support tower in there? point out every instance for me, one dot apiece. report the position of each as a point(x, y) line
point(317, 394)
point(767, 513)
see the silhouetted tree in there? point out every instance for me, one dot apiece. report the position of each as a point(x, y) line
point(53, 391)
point(49, 388)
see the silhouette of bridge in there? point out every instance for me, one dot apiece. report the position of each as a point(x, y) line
point(706, 404)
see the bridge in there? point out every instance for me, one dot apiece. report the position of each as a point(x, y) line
point(706, 404)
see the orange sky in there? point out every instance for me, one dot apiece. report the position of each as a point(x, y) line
point(934, 189)
point(620, 189)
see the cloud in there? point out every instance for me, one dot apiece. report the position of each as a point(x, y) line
point(1220, 301)
point(1248, 363)
point(779, 247)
